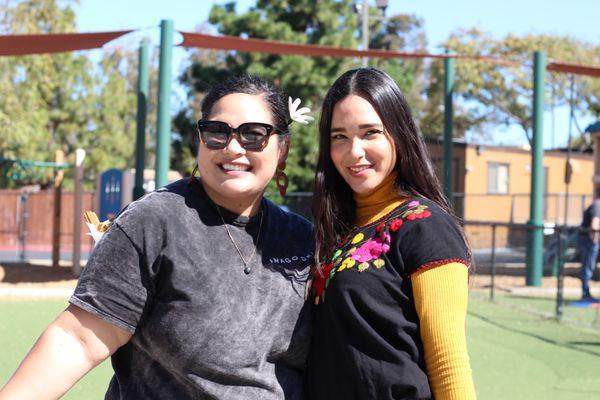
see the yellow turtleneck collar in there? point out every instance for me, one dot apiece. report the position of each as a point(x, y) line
point(381, 201)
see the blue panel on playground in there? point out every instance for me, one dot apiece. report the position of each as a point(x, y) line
point(110, 193)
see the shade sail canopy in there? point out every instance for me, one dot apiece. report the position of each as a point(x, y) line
point(576, 69)
point(275, 47)
point(18, 45)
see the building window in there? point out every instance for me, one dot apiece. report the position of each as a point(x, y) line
point(497, 178)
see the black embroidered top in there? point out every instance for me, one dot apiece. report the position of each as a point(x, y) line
point(366, 342)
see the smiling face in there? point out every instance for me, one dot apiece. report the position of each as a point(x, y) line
point(361, 150)
point(234, 177)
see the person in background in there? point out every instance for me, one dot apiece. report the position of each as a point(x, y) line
point(197, 290)
point(391, 286)
point(588, 242)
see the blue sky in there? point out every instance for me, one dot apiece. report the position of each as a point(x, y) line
point(577, 18)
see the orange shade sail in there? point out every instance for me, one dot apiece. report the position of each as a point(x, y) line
point(275, 47)
point(18, 45)
point(577, 69)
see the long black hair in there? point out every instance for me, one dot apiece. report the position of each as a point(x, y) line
point(334, 208)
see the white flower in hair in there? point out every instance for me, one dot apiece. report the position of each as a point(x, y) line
point(299, 115)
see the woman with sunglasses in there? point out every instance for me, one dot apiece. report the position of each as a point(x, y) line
point(197, 290)
point(391, 288)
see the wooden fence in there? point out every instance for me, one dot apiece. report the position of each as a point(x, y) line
point(26, 218)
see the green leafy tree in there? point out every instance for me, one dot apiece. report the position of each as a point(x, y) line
point(494, 94)
point(402, 33)
point(65, 101)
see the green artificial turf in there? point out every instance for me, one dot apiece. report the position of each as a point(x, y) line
point(516, 355)
point(22, 323)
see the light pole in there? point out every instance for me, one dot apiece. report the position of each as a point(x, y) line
point(363, 9)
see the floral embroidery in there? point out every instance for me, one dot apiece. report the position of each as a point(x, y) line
point(416, 211)
point(359, 236)
point(337, 254)
point(372, 249)
point(368, 253)
point(347, 263)
point(396, 224)
point(351, 251)
point(319, 282)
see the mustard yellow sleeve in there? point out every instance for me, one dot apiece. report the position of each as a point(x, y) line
point(441, 295)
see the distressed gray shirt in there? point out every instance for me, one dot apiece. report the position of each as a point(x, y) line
point(168, 272)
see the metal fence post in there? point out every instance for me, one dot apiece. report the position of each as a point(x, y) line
point(493, 261)
point(560, 276)
point(77, 211)
point(23, 233)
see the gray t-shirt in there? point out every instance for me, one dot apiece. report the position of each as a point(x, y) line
point(168, 272)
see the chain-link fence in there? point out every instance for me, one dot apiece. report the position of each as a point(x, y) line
point(500, 254)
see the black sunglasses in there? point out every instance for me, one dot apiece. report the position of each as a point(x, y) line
point(252, 136)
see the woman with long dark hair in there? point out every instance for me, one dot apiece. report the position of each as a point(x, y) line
point(197, 290)
point(390, 286)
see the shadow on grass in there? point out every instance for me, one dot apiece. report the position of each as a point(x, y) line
point(571, 390)
point(566, 345)
point(585, 343)
point(33, 273)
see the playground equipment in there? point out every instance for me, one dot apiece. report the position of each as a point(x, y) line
point(30, 171)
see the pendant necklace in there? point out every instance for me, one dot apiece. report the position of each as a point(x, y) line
point(247, 267)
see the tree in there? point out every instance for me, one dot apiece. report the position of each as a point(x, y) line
point(494, 94)
point(65, 101)
point(403, 33)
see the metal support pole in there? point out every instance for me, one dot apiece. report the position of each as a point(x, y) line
point(448, 133)
point(493, 261)
point(58, 177)
point(24, 222)
point(78, 213)
point(561, 273)
point(365, 31)
point(163, 124)
point(142, 111)
point(568, 169)
point(536, 236)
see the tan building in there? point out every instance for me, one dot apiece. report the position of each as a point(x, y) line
point(492, 183)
